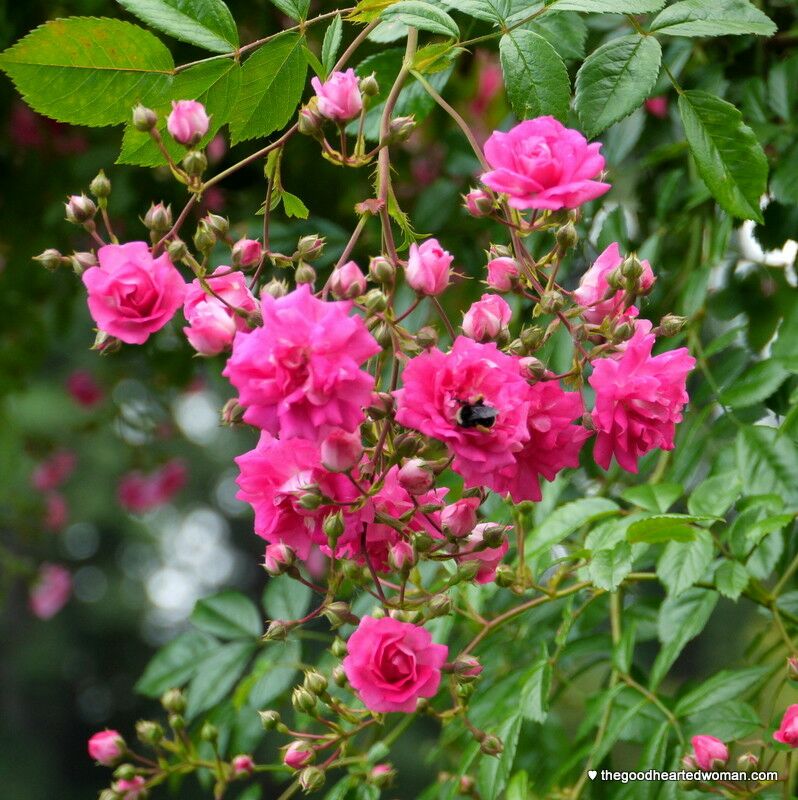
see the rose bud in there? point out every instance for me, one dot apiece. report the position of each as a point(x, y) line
point(188, 121)
point(144, 119)
point(400, 128)
point(278, 558)
point(428, 267)
point(158, 218)
point(298, 754)
point(486, 318)
point(130, 789)
point(311, 779)
point(401, 556)
point(466, 666)
point(788, 729)
point(503, 273)
point(460, 518)
point(339, 96)
point(51, 259)
point(246, 253)
point(243, 765)
point(710, 753)
point(415, 477)
point(309, 120)
point(381, 774)
point(80, 209)
point(792, 668)
point(100, 186)
point(341, 450)
point(106, 747)
point(478, 203)
point(347, 281)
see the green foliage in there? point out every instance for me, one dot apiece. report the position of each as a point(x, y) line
point(421, 15)
point(718, 18)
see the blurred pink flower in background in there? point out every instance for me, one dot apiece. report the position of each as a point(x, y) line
point(139, 492)
point(50, 590)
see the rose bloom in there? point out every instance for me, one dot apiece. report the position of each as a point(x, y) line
point(489, 557)
point(486, 318)
point(54, 470)
point(50, 591)
point(339, 96)
point(139, 493)
point(788, 729)
point(473, 399)
point(427, 269)
point(391, 664)
point(554, 442)
point(639, 399)
point(710, 753)
point(298, 375)
point(131, 294)
point(211, 323)
point(188, 121)
point(542, 164)
point(502, 272)
point(393, 501)
point(106, 747)
point(84, 389)
point(273, 478)
point(593, 288)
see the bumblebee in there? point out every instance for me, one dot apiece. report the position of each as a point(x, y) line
point(476, 415)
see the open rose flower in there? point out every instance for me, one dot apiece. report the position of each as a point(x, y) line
point(298, 375)
point(542, 164)
point(639, 399)
point(392, 664)
point(131, 294)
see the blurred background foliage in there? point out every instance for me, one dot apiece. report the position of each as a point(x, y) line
point(137, 577)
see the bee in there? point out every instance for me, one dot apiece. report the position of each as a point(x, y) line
point(476, 415)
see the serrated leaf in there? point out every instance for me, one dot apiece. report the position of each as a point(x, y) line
point(755, 385)
point(205, 23)
point(731, 578)
point(608, 568)
point(664, 528)
point(535, 76)
point(718, 18)
point(175, 663)
point(228, 615)
point(615, 79)
point(609, 6)
point(725, 685)
point(421, 15)
point(216, 676)
point(728, 721)
point(89, 71)
point(714, 496)
point(683, 563)
point(284, 598)
point(535, 685)
point(656, 497)
point(274, 671)
point(494, 11)
point(272, 81)
point(768, 461)
point(566, 32)
point(296, 9)
point(332, 43)
point(293, 206)
point(726, 151)
point(494, 771)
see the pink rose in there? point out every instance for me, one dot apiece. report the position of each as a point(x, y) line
point(131, 294)
point(106, 747)
point(427, 269)
point(247, 252)
point(347, 281)
point(460, 518)
point(339, 96)
point(50, 591)
point(489, 558)
point(502, 273)
point(639, 399)
point(401, 556)
point(341, 450)
point(391, 664)
point(594, 292)
point(542, 164)
point(298, 754)
point(788, 729)
point(486, 318)
point(188, 121)
point(657, 106)
point(710, 753)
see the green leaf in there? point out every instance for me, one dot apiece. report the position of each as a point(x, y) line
point(205, 23)
point(683, 563)
point(421, 15)
point(495, 770)
point(656, 497)
point(518, 787)
point(88, 71)
point(296, 9)
point(332, 43)
point(615, 79)
point(714, 496)
point(726, 685)
point(286, 599)
point(535, 76)
point(535, 685)
point(272, 81)
point(217, 675)
point(728, 721)
point(755, 385)
point(731, 579)
point(494, 11)
point(175, 663)
point(566, 32)
point(274, 672)
point(664, 528)
point(765, 527)
point(717, 18)
point(228, 615)
point(727, 153)
point(768, 461)
point(609, 6)
point(608, 568)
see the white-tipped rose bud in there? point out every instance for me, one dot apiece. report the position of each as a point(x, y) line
point(80, 209)
point(158, 218)
point(278, 558)
point(144, 119)
point(478, 203)
point(415, 477)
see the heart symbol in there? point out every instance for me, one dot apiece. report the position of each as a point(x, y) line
point(592, 774)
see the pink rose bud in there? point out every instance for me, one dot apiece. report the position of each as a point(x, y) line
point(503, 273)
point(657, 106)
point(339, 96)
point(347, 281)
point(80, 209)
point(132, 789)
point(56, 512)
point(478, 203)
point(381, 774)
point(788, 729)
point(460, 518)
point(467, 667)
point(211, 328)
point(106, 747)
point(53, 471)
point(50, 590)
point(278, 558)
point(415, 477)
point(187, 122)
point(487, 558)
point(298, 754)
point(246, 253)
point(427, 269)
point(341, 450)
point(401, 556)
point(84, 389)
point(243, 765)
point(710, 753)
point(486, 318)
